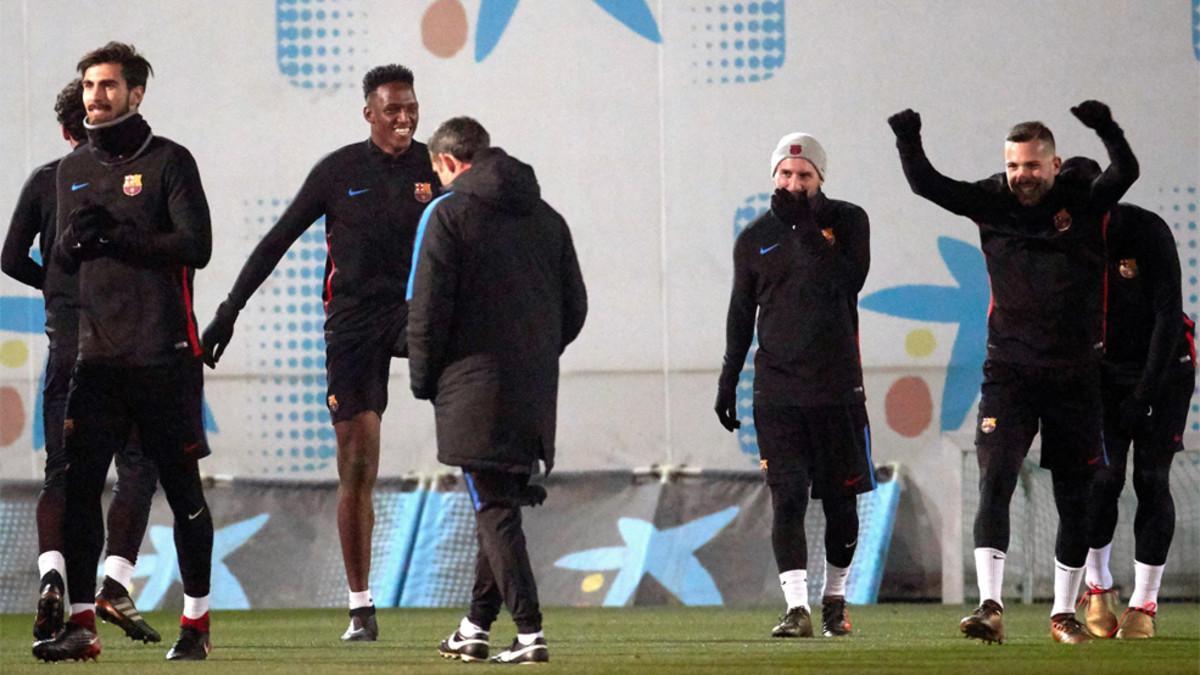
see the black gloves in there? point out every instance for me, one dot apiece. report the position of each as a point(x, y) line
point(1096, 116)
point(726, 408)
point(1135, 412)
point(791, 209)
point(84, 236)
point(218, 333)
point(906, 124)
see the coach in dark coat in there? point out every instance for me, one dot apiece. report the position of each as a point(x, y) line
point(495, 296)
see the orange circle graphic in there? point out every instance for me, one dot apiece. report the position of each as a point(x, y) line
point(909, 406)
point(444, 28)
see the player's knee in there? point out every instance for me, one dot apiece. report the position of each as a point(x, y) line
point(1152, 482)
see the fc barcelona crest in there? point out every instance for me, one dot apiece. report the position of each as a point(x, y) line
point(1128, 268)
point(1062, 221)
point(828, 234)
point(987, 425)
point(423, 192)
point(133, 184)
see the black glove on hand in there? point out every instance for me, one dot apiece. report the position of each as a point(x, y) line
point(790, 209)
point(906, 124)
point(1095, 115)
point(85, 228)
point(726, 408)
point(218, 333)
point(1135, 412)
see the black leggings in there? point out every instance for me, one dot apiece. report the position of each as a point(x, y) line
point(1154, 521)
point(998, 475)
point(789, 500)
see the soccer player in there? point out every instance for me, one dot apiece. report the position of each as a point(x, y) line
point(1149, 374)
point(133, 223)
point(1043, 240)
point(798, 269)
point(371, 193)
point(496, 296)
point(129, 511)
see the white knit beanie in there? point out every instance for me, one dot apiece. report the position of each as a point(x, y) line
point(799, 145)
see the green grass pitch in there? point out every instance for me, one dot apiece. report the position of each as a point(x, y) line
point(887, 638)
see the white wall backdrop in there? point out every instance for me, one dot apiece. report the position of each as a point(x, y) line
point(645, 139)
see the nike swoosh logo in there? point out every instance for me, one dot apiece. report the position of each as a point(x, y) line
point(75, 187)
point(193, 516)
point(354, 193)
point(852, 481)
point(852, 544)
point(1093, 461)
point(764, 251)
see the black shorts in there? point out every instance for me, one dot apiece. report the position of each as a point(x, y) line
point(1168, 418)
point(357, 367)
point(59, 365)
point(163, 403)
point(1063, 402)
point(829, 446)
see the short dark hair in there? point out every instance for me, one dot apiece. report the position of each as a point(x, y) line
point(134, 67)
point(380, 75)
point(69, 109)
point(1031, 131)
point(459, 137)
point(1086, 168)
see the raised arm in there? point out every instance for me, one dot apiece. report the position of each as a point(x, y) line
point(1123, 169)
point(962, 198)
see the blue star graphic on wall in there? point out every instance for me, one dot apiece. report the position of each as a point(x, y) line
point(494, 16)
point(966, 305)
point(667, 555)
point(162, 567)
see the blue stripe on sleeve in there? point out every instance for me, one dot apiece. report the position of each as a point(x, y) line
point(412, 273)
point(471, 489)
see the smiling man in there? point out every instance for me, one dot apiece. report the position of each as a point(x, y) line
point(371, 194)
point(1043, 236)
point(798, 269)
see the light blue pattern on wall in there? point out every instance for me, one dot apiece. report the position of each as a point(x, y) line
point(737, 42)
point(286, 321)
point(317, 42)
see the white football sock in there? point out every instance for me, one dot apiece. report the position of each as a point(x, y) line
point(195, 608)
point(1066, 588)
point(119, 570)
point(835, 579)
point(1098, 574)
point(52, 560)
point(467, 629)
point(527, 639)
point(795, 588)
point(361, 599)
point(1146, 581)
point(989, 574)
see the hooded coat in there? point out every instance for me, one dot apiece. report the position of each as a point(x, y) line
point(495, 296)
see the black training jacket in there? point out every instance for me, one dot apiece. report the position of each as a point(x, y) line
point(34, 217)
point(496, 296)
point(136, 301)
point(1045, 262)
point(803, 284)
point(1148, 338)
point(371, 202)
